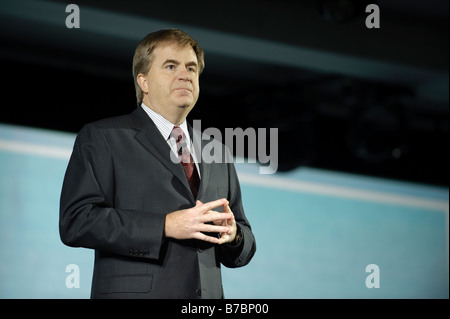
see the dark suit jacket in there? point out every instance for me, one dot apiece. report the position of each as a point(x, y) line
point(119, 185)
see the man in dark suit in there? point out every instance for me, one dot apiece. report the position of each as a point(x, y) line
point(161, 228)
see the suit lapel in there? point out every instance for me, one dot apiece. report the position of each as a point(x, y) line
point(150, 137)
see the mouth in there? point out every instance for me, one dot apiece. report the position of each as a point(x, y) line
point(183, 89)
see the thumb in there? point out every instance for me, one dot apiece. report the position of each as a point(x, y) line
point(198, 203)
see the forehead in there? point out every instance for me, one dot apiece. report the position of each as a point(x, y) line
point(174, 51)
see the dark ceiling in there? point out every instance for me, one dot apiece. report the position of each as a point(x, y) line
point(343, 96)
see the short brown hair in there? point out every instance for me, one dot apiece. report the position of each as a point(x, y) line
point(142, 59)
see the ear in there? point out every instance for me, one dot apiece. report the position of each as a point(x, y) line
point(142, 82)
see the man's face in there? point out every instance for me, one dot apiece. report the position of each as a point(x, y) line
point(172, 82)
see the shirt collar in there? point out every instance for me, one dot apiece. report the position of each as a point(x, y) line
point(164, 125)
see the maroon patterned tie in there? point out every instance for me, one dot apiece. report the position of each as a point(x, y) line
point(186, 160)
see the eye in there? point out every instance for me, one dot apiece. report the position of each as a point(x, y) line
point(170, 67)
point(192, 69)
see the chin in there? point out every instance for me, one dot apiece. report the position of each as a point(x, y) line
point(185, 102)
point(185, 106)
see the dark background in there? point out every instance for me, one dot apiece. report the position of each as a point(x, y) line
point(343, 97)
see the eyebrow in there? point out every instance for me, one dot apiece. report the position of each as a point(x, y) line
point(191, 63)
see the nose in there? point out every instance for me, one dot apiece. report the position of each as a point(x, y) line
point(184, 75)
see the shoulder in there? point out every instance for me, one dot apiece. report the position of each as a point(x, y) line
point(100, 128)
point(126, 121)
point(116, 122)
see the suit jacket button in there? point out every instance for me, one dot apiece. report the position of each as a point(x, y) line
point(198, 292)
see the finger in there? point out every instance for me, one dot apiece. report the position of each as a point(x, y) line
point(224, 238)
point(208, 228)
point(207, 238)
point(198, 203)
point(212, 216)
point(214, 204)
point(228, 210)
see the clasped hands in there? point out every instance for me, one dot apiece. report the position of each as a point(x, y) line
point(194, 222)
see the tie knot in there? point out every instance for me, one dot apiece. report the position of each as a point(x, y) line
point(177, 133)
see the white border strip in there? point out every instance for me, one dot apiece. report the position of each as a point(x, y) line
point(343, 192)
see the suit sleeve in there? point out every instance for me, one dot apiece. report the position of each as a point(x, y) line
point(233, 256)
point(88, 217)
